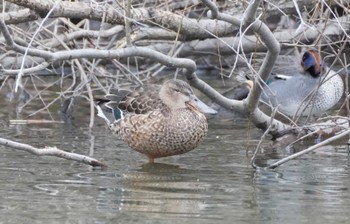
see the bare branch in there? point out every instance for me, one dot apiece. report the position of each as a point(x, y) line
point(273, 50)
point(14, 72)
point(19, 16)
point(188, 64)
point(249, 106)
point(52, 151)
point(78, 10)
point(66, 37)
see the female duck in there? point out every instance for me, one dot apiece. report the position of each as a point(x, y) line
point(158, 121)
point(311, 91)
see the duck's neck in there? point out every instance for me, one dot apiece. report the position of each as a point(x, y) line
point(316, 71)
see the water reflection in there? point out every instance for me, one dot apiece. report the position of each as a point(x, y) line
point(214, 183)
point(160, 189)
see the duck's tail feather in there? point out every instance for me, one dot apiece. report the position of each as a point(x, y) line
point(102, 114)
point(108, 108)
point(109, 112)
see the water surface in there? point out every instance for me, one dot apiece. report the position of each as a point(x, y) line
point(212, 184)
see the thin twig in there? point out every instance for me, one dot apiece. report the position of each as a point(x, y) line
point(252, 160)
point(88, 88)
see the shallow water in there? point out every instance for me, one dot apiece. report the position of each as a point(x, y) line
point(212, 184)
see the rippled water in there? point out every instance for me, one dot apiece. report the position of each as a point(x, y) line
point(212, 184)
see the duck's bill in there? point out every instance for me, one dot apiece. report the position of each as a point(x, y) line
point(204, 107)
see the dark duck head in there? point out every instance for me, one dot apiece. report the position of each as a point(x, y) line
point(312, 63)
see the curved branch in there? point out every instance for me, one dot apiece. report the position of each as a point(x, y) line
point(215, 14)
point(188, 64)
point(273, 50)
point(12, 45)
point(14, 72)
point(233, 105)
point(250, 104)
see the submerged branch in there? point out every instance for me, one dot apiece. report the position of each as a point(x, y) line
point(310, 149)
point(52, 151)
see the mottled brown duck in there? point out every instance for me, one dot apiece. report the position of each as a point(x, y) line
point(157, 121)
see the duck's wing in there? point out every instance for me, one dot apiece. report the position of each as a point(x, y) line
point(138, 101)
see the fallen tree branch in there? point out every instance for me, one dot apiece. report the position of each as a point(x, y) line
point(19, 16)
point(71, 10)
point(52, 151)
point(250, 43)
point(310, 149)
point(190, 28)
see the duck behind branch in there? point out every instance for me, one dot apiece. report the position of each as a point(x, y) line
point(313, 90)
point(157, 121)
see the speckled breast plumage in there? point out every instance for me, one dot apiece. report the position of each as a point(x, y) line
point(311, 91)
point(305, 95)
point(157, 121)
point(162, 132)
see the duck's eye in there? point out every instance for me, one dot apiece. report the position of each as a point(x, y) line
point(305, 56)
point(177, 90)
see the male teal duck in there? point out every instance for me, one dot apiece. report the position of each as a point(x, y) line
point(311, 91)
point(157, 121)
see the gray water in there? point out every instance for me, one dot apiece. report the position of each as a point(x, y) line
point(212, 184)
